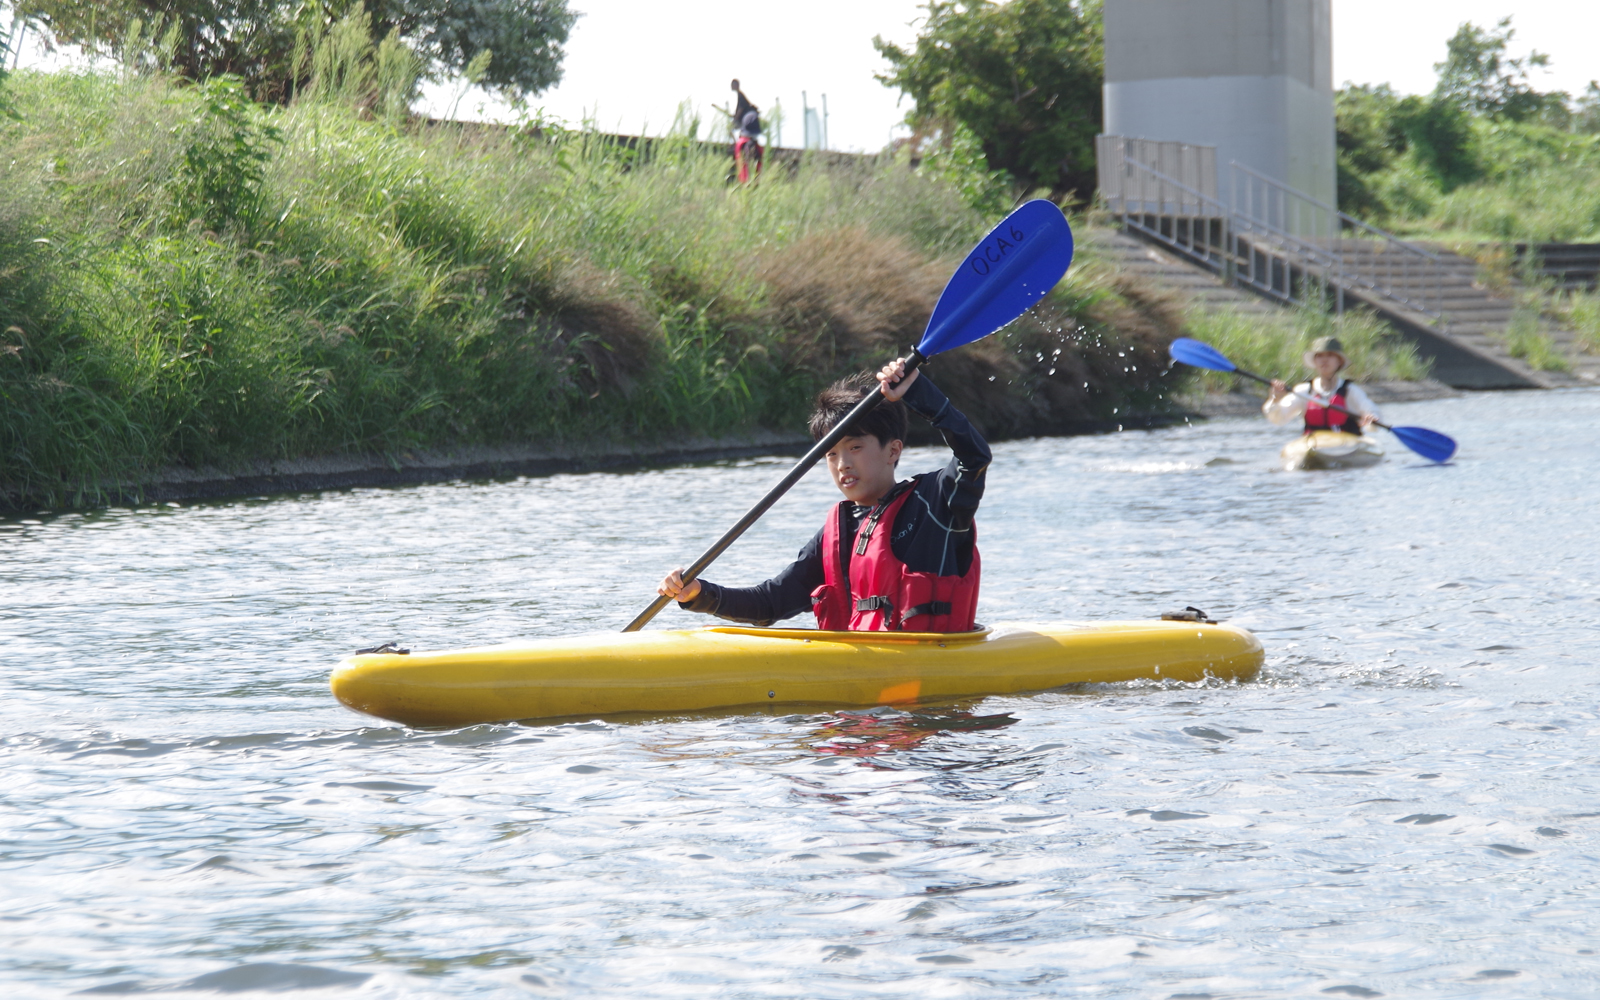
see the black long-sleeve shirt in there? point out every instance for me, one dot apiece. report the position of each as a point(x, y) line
point(932, 532)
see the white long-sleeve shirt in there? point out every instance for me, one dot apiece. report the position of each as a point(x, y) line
point(1292, 408)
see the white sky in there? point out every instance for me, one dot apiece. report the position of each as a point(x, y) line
point(629, 62)
point(1398, 41)
point(616, 70)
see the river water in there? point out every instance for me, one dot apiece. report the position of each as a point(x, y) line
point(1406, 803)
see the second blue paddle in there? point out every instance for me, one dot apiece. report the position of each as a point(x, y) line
point(1431, 445)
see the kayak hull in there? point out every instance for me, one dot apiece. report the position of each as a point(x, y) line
point(730, 667)
point(1330, 450)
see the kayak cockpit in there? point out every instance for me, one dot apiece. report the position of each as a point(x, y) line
point(823, 635)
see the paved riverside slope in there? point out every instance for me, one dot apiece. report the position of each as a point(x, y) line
point(1468, 349)
point(1476, 320)
point(1165, 270)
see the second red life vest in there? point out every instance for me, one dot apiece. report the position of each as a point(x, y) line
point(882, 594)
point(1321, 418)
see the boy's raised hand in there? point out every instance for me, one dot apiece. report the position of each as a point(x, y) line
point(672, 586)
point(894, 371)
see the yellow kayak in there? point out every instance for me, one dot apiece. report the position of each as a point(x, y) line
point(1330, 450)
point(729, 667)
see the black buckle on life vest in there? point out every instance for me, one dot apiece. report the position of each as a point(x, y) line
point(931, 608)
point(874, 604)
point(864, 533)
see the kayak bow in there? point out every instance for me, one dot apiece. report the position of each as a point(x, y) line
point(1330, 450)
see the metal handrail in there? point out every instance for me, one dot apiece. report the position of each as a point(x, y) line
point(1276, 258)
point(1199, 196)
point(1190, 246)
point(1347, 219)
point(1345, 273)
point(1234, 257)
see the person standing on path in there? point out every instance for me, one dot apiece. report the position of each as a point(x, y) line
point(746, 149)
point(742, 106)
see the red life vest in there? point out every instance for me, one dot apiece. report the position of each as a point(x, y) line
point(882, 594)
point(1321, 418)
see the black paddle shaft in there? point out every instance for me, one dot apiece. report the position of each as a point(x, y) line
point(868, 403)
point(1327, 406)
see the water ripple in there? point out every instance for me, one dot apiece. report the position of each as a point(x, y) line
point(1402, 805)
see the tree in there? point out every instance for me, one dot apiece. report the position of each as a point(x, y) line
point(251, 39)
point(1440, 135)
point(1368, 142)
point(1479, 78)
point(1024, 77)
point(524, 37)
point(1586, 116)
point(257, 40)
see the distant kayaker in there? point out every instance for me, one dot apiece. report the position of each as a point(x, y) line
point(893, 555)
point(1327, 359)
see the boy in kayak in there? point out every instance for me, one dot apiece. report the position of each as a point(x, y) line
point(1326, 358)
point(893, 555)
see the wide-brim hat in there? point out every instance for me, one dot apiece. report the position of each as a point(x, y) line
point(1326, 345)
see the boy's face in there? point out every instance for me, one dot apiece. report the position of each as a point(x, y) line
point(1326, 363)
point(863, 467)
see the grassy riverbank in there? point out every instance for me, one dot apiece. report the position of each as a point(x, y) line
point(187, 279)
point(192, 280)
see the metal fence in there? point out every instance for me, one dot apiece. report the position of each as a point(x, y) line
point(1267, 236)
point(1190, 172)
point(1180, 210)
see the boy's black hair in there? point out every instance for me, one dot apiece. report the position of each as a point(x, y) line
point(887, 422)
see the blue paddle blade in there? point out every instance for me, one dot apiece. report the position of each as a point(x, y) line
point(1200, 355)
point(1004, 276)
point(1431, 445)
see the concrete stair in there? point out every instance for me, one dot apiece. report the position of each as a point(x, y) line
point(1475, 319)
point(1573, 267)
point(1266, 243)
point(1467, 345)
point(1162, 269)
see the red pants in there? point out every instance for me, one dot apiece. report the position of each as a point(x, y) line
point(745, 153)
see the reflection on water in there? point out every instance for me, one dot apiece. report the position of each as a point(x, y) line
point(1404, 804)
point(869, 734)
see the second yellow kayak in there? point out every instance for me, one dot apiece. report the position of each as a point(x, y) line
point(729, 667)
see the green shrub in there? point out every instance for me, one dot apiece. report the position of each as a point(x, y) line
point(226, 148)
point(1526, 339)
point(1440, 136)
point(1581, 310)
